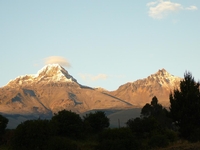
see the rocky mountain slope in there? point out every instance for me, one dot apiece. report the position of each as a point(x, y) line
point(140, 92)
point(53, 89)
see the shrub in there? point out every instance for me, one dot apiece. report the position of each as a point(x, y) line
point(31, 135)
point(158, 141)
point(117, 139)
point(60, 143)
point(96, 122)
point(67, 124)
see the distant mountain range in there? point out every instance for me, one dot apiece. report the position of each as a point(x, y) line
point(53, 89)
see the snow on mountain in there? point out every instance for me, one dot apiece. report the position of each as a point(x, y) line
point(55, 72)
point(50, 72)
point(141, 91)
point(53, 89)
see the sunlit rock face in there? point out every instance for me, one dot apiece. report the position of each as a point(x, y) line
point(140, 92)
point(53, 89)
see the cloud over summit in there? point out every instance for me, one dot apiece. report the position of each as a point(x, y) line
point(57, 60)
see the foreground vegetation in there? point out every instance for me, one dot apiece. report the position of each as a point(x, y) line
point(157, 128)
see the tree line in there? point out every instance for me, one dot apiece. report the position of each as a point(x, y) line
point(156, 127)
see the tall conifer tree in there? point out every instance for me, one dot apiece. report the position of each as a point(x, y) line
point(185, 107)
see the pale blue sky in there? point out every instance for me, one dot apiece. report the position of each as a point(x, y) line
point(107, 42)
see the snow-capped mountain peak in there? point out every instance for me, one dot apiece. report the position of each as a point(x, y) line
point(56, 72)
point(164, 78)
point(162, 72)
point(50, 72)
point(159, 84)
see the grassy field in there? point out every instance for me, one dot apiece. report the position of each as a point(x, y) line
point(182, 145)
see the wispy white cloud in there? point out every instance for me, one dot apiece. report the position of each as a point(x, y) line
point(191, 8)
point(161, 8)
point(151, 3)
point(57, 60)
point(101, 76)
point(91, 77)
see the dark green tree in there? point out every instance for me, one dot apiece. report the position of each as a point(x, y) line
point(31, 134)
point(185, 107)
point(153, 127)
point(68, 124)
point(157, 111)
point(154, 109)
point(3, 124)
point(96, 122)
point(143, 127)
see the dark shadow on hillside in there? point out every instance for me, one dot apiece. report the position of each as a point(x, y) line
point(86, 87)
point(16, 119)
point(117, 98)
